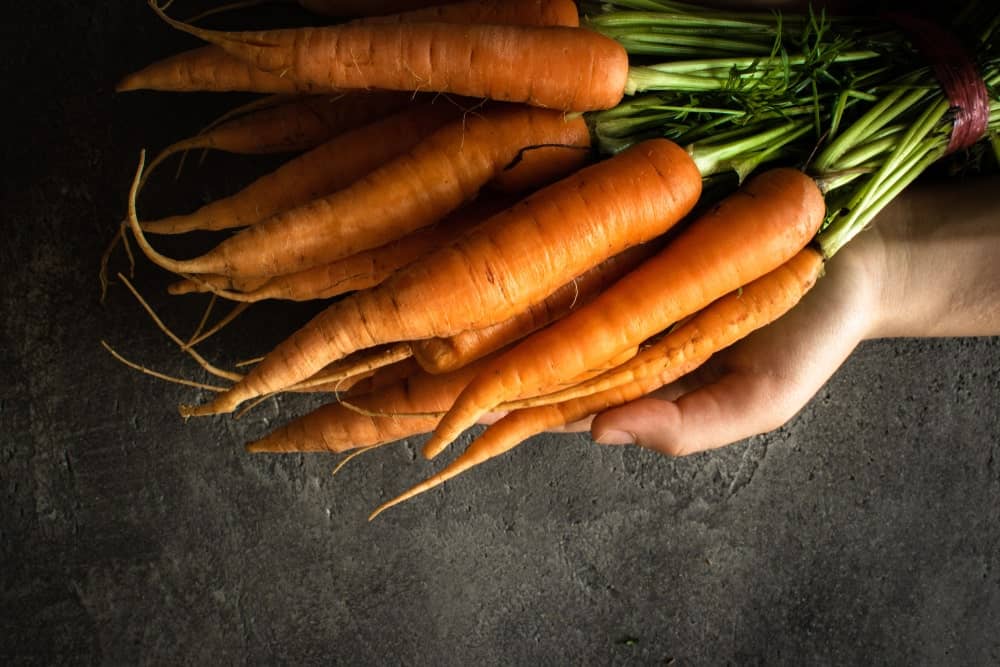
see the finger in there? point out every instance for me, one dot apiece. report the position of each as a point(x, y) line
point(734, 407)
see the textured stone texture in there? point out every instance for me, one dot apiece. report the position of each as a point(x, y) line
point(865, 531)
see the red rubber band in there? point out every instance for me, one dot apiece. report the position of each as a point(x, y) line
point(958, 76)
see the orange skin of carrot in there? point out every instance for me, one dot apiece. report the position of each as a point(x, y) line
point(717, 326)
point(683, 350)
point(298, 124)
point(558, 67)
point(211, 68)
point(336, 428)
point(752, 232)
point(414, 190)
point(361, 271)
point(511, 261)
point(327, 168)
point(441, 355)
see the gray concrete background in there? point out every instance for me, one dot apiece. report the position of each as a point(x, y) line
point(865, 531)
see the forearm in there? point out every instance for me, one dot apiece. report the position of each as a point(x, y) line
point(935, 261)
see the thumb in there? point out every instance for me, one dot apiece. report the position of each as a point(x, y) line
point(736, 406)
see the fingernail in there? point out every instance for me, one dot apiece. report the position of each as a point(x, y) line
point(615, 438)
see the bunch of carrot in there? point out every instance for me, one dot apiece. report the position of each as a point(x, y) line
point(498, 227)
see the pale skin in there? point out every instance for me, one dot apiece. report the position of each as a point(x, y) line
point(929, 266)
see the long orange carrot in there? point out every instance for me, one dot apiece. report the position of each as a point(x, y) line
point(360, 271)
point(752, 232)
point(406, 407)
point(558, 67)
point(289, 124)
point(211, 68)
point(511, 261)
point(719, 325)
point(440, 355)
point(715, 327)
point(416, 189)
point(327, 168)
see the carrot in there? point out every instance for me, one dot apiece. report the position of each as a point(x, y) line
point(559, 67)
point(440, 355)
point(360, 271)
point(540, 166)
point(517, 426)
point(727, 320)
point(211, 68)
point(327, 168)
point(715, 327)
point(289, 124)
point(406, 407)
point(755, 230)
point(414, 190)
point(511, 261)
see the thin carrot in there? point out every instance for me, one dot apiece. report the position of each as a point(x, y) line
point(511, 261)
point(414, 190)
point(515, 427)
point(715, 327)
point(440, 355)
point(406, 407)
point(334, 8)
point(289, 124)
point(327, 168)
point(755, 230)
point(559, 67)
point(360, 271)
point(211, 68)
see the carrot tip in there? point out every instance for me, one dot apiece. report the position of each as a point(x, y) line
point(434, 446)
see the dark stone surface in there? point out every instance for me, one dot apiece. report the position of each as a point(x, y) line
point(865, 531)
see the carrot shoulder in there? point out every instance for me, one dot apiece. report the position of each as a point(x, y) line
point(511, 261)
point(750, 233)
point(558, 67)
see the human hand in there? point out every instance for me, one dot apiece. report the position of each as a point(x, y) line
point(927, 268)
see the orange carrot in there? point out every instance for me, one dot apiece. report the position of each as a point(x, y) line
point(406, 407)
point(211, 68)
point(360, 271)
point(715, 327)
point(327, 168)
point(440, 355)
point(511, 261)
point(416, 189)
point(719, 325)
point(289, 124)
point(752, 232)
point(559, 67)
point(540, 166)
